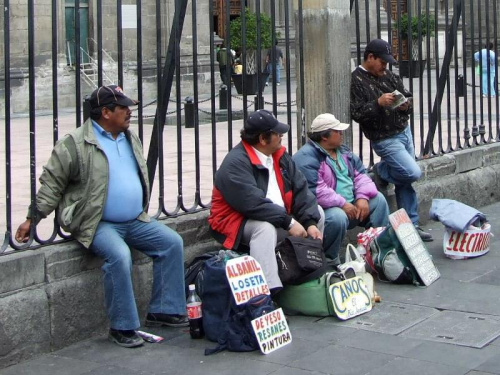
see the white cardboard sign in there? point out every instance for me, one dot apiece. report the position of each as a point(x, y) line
point(272, 331)
point(350, 298)
point(414, 247)
point(246, 279)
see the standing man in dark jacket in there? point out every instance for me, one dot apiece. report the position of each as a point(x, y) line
point(259, 195)
point(374, 105)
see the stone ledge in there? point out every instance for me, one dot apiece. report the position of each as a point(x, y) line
point(436, 167)
point(491, 154)
point(468, 160)
point(21, 270)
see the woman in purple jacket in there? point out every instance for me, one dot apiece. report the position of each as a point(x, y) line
point(338, 179)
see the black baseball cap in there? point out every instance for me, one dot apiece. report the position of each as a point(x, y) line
point(111, 94)
point(382, 49)
point(262, 121)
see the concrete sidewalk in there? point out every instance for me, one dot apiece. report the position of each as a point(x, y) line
point(450, 327)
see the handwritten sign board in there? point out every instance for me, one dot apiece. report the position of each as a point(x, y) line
point(350, 298)
point(414, 247)
point(272, 331)
point(246, 278)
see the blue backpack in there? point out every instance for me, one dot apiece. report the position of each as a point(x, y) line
point(225, 322)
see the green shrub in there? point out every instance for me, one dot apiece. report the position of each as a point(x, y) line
point(427, 22)
point(251, 31)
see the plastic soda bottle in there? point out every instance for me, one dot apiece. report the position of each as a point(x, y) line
point(194, 314)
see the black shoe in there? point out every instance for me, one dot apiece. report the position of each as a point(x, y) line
point(379, 181)
point(159, 319)
point(425, 236)
point(127, 339)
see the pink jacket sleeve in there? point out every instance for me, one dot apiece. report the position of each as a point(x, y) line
point(325, 190)
point(364, 187)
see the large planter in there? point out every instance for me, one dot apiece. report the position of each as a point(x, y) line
point(251, 87)
point(417, 68)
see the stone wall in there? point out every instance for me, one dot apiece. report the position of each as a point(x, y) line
point(53, 296)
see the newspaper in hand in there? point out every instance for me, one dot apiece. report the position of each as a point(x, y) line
point(399, 99)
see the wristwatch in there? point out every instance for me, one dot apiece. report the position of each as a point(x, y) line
point(291, 223)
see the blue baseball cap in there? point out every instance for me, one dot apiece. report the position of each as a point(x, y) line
point(262, 121)
point(382, 49)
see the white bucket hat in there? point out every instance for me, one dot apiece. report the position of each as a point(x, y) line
point(327, 121)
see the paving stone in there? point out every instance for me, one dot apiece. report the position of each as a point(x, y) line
point(491, 366)
point(414, 367)
point(288, 353)
point(496, 342)
point(446, 295)
point(459, 328)
point(51, 365)
point(340, 360)
point(387, 317)
point(162, 358)
point(325, 333)
point(116, 370)
point(470, 270)
point(371, 341)
point(491, 278)
point(452, 355)
point(295, 371)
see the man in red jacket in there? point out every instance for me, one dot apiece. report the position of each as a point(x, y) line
point(260, 196)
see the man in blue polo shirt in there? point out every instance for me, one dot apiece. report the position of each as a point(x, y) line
point(97, 180)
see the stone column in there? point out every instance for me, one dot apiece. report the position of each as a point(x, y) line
point(326, 56)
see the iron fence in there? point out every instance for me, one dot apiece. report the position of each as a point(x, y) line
point(170, 55)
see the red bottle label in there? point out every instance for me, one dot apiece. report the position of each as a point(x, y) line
point(194, 310)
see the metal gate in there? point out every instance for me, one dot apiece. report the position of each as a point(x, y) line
point(166, 57)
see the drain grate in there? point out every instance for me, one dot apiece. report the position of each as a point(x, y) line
point(387, 317)
point(459, 328)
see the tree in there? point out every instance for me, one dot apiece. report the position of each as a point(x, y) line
point(405, 24)
point(250, 35)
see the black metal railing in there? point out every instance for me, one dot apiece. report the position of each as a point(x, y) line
point(161, 62)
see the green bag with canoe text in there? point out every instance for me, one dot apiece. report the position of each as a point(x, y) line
point(310, 298)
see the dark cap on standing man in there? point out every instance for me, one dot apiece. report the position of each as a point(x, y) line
point(112, 94)
point(262, 121)
point(382, 49)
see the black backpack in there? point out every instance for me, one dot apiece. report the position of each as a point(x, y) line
point(192, 269)
point(225, 322)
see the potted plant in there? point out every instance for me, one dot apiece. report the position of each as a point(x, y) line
point(250, 35)
point(406, 25)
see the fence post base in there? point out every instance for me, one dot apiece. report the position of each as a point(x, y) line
point(259, 102)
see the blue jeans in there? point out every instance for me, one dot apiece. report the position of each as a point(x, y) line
point(270, 67)
point(112, 242)
point(337, 223)
point(488, 82)
point(399, 167)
